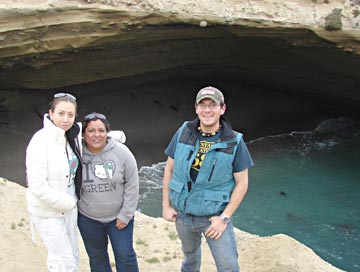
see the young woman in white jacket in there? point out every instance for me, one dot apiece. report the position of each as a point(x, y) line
point(53, 168)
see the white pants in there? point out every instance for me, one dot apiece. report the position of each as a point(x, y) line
point(60, 237)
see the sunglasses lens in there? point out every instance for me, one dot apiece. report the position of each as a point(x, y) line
point(60, 95)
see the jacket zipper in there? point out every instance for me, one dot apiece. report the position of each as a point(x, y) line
point(212, 169)
point(190, 154)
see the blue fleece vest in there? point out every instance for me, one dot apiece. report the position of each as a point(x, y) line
point(215, 182)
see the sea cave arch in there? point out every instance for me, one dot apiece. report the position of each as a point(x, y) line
point(274, 80)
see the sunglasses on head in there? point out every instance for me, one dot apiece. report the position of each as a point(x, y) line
point(60, 95)
point(95, 115)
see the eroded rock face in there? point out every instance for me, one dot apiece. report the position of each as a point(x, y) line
point(75, 42)
point(37, 26)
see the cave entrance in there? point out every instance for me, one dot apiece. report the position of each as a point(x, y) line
point(274, 80)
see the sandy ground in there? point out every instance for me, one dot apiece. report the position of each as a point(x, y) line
point(155, 241)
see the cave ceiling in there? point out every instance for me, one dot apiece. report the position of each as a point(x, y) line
point(296, 60)
point(47, 50)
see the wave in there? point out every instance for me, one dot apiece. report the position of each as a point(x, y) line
point(151, 174)
point(329, 134)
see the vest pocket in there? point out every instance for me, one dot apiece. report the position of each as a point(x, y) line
point(207, 203)
point(176, 186)
point(221, 196)
point(215, 201)
point(176, 197)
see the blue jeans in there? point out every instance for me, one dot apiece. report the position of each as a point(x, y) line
point(95, 236)
point(224, 250)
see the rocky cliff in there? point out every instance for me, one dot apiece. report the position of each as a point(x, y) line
point(102, 39)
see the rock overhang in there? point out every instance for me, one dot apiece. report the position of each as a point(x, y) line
point(78, 42)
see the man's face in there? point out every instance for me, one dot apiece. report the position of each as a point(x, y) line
point(209, 113)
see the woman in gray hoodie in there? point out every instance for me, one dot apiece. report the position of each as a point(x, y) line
point(108, 197)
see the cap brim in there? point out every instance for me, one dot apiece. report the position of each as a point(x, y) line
point(209, 97)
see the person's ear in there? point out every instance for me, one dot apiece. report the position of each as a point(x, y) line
point(50, 114)
point(223, 109)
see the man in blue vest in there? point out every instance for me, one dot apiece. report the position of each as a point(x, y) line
point(205, 180)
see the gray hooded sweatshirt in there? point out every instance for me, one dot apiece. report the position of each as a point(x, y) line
point(110, 186)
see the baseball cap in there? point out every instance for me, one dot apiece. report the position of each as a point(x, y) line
point(212, 93)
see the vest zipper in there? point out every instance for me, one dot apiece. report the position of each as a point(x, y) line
point(212, 169)
point(190, 154)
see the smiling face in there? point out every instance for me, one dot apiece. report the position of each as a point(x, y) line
point(95, 136)
point(63, 114)
point(209, 114)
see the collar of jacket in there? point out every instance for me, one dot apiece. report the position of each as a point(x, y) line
point(226, 134)
point(59, 133)
point(73, 132)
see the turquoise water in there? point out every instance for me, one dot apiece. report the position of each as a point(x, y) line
point(304, 184)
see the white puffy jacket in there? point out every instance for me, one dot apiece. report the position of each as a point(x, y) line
point(47, 170)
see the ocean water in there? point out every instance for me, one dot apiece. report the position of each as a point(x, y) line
point(304, 184)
